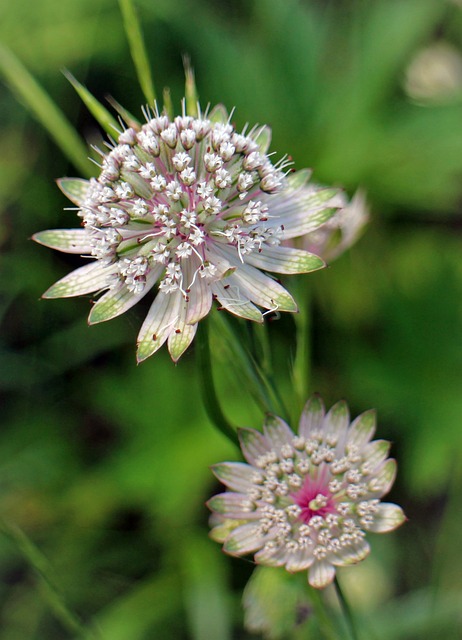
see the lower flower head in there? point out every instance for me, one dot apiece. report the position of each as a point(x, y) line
point(307, 500)
point(198, 209)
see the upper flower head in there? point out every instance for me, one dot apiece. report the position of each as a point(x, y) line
point(198, 208)
point(306, 501)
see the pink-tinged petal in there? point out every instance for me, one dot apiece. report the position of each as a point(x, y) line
point(305, 210)
point(321, 574)
point(74, 188)
point(271, 557)
point(284, 260)
point(336, 422)
point(180, 339)
point(182, 334)
point(219, 114)
point(299, 560)
point(262, 290)
point(362, 429)
point(262, 137)
point(352, 554)
point(198, 290)
point(243, 540)
point(383, 479)
point(230, 298)
point(277, 432)
point(65, 240)
point(312, 417)
point(253, 444)
point(87, 279)
point(298, 179)
point(233, 505)
point(256, 286)
point(374, 453)
point(236, 475)
point(221, 531)
point(158, 325)
point(388, 517)
point(118, 300)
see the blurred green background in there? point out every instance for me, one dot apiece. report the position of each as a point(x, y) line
point(103, 464)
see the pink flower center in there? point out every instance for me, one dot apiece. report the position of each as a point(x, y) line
point(314, 499)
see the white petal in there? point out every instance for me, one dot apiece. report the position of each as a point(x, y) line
point(198, 290)
point(305, 210)
point(233, 505)
point(388, 518)
point(159, 322)
point(253, 444)
point(336, 422)
point(180, 339)
point(375, 453)
point(300, 559)
point(87, 279)
point(256, 286)
point(284, 260)
point(230, 298)
point(244, 539)
point(352, 554)
point(236, 475)
point(362, 429)
point(271, 557)
point(118, 300)
point(74, 188)
point(277, 432)
point(383, 479)
point(312, 417)
point(321, 574)
point(66, 240)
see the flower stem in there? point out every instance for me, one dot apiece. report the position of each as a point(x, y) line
point(209, 394)
point(54, 597)
point(347, 611)
point(302, 361)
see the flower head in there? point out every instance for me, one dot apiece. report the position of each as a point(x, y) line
point(306, 500)
point(199, 209)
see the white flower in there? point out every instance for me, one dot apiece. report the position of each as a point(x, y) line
point(184, 199)
point(306, 501)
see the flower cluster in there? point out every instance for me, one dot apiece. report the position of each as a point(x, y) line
point(199, 209)
point(306, 500)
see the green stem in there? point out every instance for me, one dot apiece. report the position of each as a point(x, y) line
point(323, 617)
point(302, 360)
point(209, 394)
point(55, 599)
point(347, 611)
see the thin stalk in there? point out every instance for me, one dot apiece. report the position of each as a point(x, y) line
point(347, 611)
point(302, 360)
point(209, 394)
point(54, 597)
point(324, 619)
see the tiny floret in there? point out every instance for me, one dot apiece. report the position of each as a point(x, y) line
point(192, 211)
point(312, 506)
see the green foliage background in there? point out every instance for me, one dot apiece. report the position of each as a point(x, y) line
point(103, 464)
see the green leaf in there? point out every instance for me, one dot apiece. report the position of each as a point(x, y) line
point(38, 102)
point(100, 113)
point(137, 49)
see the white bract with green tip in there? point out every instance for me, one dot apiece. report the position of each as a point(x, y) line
point(305, 501)
point(198, 209)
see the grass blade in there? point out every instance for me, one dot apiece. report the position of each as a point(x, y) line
point(138, 49)
point(39, 103)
